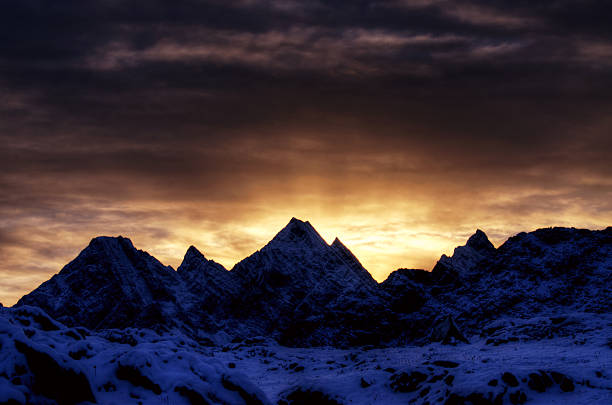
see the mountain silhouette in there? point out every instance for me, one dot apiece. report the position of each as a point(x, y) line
point(300, 290)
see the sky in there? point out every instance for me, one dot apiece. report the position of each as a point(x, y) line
point(398, 126)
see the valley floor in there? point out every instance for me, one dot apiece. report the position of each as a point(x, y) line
point(583, 372)
point(44, 362)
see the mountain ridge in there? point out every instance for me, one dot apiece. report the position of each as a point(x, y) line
point(300, 290)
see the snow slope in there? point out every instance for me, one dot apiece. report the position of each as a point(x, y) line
point(45, 362)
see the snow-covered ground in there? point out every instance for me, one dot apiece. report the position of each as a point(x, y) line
point(42, 361)
point(581, 364)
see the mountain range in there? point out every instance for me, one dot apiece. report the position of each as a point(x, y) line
point(301, 291)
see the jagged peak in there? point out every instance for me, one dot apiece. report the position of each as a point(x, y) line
point(110, 240)
point(298, 232)
point(346, 252)
point(337, 243)
point(193, 254)
point(351, 260)
point(194, 259)
point(109, 245)
point(480, 242)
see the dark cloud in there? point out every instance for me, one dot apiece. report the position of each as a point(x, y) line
point(398, 125)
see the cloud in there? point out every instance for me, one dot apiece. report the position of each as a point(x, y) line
point(297, 49)
point(482, 15)
point(594, 53)
point(473, 13)
point(400, 127)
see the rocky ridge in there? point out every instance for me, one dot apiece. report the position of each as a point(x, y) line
point(301, 291)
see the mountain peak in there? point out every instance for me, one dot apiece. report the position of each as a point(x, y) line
point(195, 260)
point(480, 242)
point(110, 246)
point(338, 246)
point(110, 241)
point(193, 254)
point(351, 260)
point(295, 220)
point(298, 232)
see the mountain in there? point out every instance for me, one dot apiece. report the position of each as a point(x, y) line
point(111, 284)
point(541, 273)
point(301, 291)
point(210, 286)
point(531, 317)
point(465, 258)
point(297, 283)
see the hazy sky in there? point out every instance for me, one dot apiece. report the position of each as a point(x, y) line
point(398, 126)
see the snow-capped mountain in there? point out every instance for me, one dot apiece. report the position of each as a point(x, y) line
point(300, 290)
point(111, 284)
point(208, 291)
point(297, 280)
point(466, 258)
point(548, 271)
point(532, 318)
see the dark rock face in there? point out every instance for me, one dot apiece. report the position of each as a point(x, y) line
point(510, 379)
point(308, 290)
point(405, 289)
point(51, 380)
point(407, 382)
point(543, 271)
point(110, 285)
point(447, 332)
point(194, 397)
point(539, 381)
point(211, 290)
point(445, 363)
point(301, 396)
point(249, 398)
point(475, 398)
point(517, 397)
point(480, 242)
point(136, 378)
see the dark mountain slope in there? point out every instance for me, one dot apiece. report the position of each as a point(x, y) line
point(544, 272)
point(111, 284)
point(301, 291)
point(306, 290)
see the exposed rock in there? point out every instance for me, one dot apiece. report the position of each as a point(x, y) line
point(539, 381)
point(517, 397)
point(302, 396)
point(107, 286)
point(445, 363)
point(510, 379)
point(299, 290)
point(447, 332)
point(407, 382)
point(194, 397)
point(64, 385)
point(136, 378)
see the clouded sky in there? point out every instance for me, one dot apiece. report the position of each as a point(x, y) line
point(398, 126)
